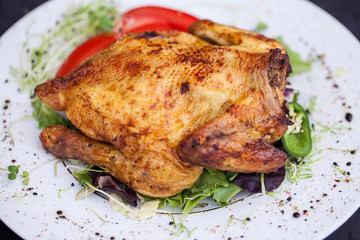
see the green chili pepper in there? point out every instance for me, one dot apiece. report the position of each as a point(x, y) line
point(297, 139)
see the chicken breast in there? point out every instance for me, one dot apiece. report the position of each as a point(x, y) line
point(209, 98)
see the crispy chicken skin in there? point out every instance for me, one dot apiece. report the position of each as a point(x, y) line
point(146, 172)
point(212, 98)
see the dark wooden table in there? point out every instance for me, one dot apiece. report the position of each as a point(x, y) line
point(346, 11)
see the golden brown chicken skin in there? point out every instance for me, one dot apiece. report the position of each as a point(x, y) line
point(163, 177)
point(212, 98)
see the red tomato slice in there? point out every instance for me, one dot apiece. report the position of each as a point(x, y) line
point(150, 26)
point(140, 19)
point(84, 51)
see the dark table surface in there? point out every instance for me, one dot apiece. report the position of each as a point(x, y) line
point(346, 11)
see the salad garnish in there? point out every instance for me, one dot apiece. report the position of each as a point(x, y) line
point(297, 139)
point(63, 190)
point(180, 228)
point(13, 171)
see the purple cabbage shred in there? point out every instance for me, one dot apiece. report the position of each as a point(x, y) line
point(106, 182)
point(251, 181)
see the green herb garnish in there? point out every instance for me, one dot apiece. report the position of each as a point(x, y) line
point(25, 175)
point(83, 176)
point(180, 228)
point(45, 116)
point(261, 26)
point(62, 190)
point(13, 171)
point(299, 168)
point(233, 218)
point(297, 64)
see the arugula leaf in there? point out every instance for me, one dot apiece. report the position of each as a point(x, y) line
point(297, 64)
point(45, 116)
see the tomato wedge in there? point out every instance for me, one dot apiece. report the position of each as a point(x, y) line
point(84, 51)
point(148, 18)
point(151, 18)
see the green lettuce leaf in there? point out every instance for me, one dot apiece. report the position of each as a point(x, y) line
point(215, 183)
point(45, 116)
point(191, 203)
point(297, 64)
point(208, 181)
point(83, 176)
point(211, 182)
point(223, 195)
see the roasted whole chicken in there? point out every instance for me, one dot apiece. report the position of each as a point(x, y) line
point(156, 107)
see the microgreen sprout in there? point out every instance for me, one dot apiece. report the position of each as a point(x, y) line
point(55, 167)
point(20, 197)
point(13, 171)
point(83, 176)
point(25, 175)
point(271, 194)
point(262, 182)
point(233, 218)
point(299, 168)
point(62, 190)
point(343, 173)
point(331, 128)
point(84, 192)
point(344, 150)
point(87, 202)
point(180, 228)
point(312, 103)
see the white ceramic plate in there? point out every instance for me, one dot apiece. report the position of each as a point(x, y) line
point(324, 201)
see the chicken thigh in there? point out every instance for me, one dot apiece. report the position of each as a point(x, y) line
point(159, 106)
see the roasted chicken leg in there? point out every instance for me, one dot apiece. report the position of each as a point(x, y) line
point(168, 103)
